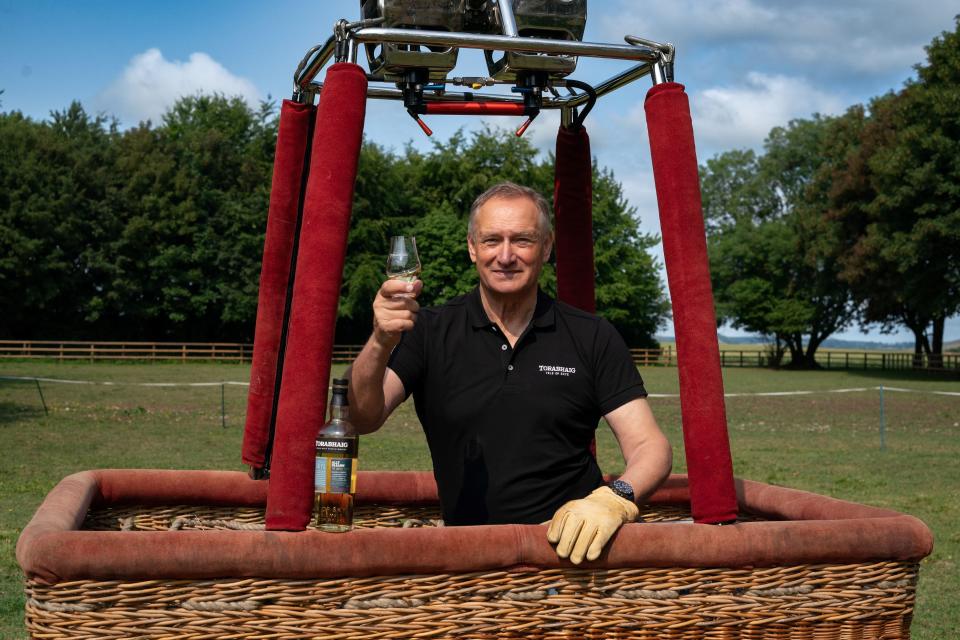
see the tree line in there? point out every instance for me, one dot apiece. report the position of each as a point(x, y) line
point(156, 232)
point(847, 219)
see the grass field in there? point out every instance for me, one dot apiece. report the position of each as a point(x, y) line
point(824, 442)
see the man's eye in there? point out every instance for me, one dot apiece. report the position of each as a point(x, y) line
point(490, 242)
point(523, 242)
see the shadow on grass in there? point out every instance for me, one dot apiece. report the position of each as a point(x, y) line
point(13, 412)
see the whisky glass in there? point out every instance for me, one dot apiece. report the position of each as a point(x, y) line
point(403, 262)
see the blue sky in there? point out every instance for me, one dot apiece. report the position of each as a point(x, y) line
point(748, 65)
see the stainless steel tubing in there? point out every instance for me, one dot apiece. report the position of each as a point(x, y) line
point(507, 43)
point(310, 66)
point(607, 86)
point(621, 79)
point(507, 20)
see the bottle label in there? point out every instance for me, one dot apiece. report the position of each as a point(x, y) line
point(336, 465)
point(337, 446)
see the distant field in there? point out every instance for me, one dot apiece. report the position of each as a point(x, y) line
point(825, 442)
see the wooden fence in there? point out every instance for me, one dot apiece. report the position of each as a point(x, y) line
point(832, 359)
point(240, 352)
point(149, 351)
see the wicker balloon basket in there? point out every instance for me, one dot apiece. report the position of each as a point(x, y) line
point(164, 554)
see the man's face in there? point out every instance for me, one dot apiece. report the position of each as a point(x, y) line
point(507, 246)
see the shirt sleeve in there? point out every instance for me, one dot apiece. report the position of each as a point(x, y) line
point(617, 379)
point(408, 359)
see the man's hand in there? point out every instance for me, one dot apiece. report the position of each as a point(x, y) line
point(582, 527)
point(395, 310)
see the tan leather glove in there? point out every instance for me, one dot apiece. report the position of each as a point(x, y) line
point(582, 527)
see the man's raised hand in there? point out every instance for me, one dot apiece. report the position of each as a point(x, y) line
point(395, 310)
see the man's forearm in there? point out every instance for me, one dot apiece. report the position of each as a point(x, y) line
point(645, 449)
point(648, 468)
point(366, 386)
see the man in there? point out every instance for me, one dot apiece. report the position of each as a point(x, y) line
point(509, 386)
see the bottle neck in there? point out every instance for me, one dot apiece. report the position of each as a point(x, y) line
point(340, 413)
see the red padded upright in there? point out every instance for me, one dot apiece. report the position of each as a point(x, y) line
point(316, 291)
point(573, 213)
point(709, 465)
point(286, 193)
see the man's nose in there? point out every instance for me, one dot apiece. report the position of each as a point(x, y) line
point(505, 254)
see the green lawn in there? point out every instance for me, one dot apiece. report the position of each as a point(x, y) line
point(824, 442)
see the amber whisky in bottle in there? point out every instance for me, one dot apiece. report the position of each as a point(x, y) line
point(335, 473)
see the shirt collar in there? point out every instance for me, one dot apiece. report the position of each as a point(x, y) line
point(544, 315)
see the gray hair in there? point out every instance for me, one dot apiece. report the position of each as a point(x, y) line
point(512, 190)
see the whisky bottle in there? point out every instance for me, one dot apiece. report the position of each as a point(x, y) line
point(335, 473)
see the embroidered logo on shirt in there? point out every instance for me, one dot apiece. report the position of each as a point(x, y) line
point(553, 370)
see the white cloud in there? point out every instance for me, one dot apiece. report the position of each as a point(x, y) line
point(742, 115)
point(150, 84)
point(862, 36)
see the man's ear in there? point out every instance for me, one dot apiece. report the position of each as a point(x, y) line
point(471, 249)
point(548, 247)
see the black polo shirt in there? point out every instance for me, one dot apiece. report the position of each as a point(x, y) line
point(509, 429)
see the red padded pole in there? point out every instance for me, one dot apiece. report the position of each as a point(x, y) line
point(573, 216)
point(709, 466)
point(573, 222)
point(316, 291)
point(286, 194)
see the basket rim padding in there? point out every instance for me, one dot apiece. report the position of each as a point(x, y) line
point(804, 528)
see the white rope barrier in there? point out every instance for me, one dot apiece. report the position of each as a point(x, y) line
point(128, 384)
point(804, 392)
point(808, 392)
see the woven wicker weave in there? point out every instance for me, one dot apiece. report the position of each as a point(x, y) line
point(859, 601)
point(864, 591)
point(815, 601)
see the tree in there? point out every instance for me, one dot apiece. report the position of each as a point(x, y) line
point(56, 180)
point(429, 195)
point(382, 206)
point(187, 260)
point(769, 242)
point(897, 198)
point(157, 232)
point(628, 289)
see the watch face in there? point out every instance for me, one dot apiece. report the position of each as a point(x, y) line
point(622, 488)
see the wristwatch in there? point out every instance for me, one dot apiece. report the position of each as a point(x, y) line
point(623, 489)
